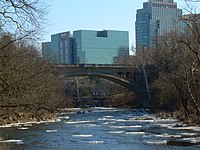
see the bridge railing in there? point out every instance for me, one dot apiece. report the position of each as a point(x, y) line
point(89, 65)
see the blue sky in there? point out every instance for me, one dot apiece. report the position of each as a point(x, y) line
point(70, 15)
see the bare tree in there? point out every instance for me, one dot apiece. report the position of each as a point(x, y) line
point(22, 18)
point(177, 59)
point(26, 83)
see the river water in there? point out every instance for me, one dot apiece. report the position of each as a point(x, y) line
point(101, 129)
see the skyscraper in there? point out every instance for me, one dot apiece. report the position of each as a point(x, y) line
point(61, 49)
point(156, 18)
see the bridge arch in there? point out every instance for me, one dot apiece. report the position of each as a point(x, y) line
point(123, 75)
point(116, 79)
point(128, 75)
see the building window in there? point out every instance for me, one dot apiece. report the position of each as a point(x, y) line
point(66, 44)
point(103, 33)
point(61, 44)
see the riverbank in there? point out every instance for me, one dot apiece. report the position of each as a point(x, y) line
point(27, 118)
point(29, 123)
point(23, 117)
point(45, 116)
point(178, 115)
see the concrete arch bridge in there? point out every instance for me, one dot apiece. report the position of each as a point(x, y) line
point(129, 77)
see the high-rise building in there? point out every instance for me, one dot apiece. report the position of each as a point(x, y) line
point(101, 47)
point(61, 49)
point(156, 18)
point(46, 51)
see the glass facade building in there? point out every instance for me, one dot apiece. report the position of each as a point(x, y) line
point(101, 47)
point(46, 52)
point(61, 49)
point(87, 47)
point(156, 18)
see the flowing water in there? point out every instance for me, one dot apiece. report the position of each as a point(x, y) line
point(102, 129)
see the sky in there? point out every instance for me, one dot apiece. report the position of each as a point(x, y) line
point(71, 15)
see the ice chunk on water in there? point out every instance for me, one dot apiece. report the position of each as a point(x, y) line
point(125, 127)
point(194, 128)
point(12, 141)
point(136, 133)
point(77, 122)
point(63, 117)
point(115, 132)
point(95, 142)
point(112, 122)
point(192, 140)
point(157, 142)
point(189, 134)
point(82, 135)
point(50, 131)
point(107, 116)
point(23, 128)
point(165, 135)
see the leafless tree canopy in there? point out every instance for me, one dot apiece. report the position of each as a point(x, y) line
point(28, 89)
point(26, 83)
point(22, 17)
point(177, 62)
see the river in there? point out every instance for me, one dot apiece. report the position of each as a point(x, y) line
point(101, 129)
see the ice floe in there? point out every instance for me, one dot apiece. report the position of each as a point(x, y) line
point(124, 120)
point(169, 120)
point(165, 135)
point(63, 117)
point(86, 125)
point(115, 132)
point(77, 122)
point(194, 128)
point(29, 123)
point(82, 135)
point(105, 108)
point(165, 125)
point(23, 128)
point(50, 131)
point(192, 140)
point(121, 127)
point(11, 125)
point(136, 133)
point(107, 116)
point(112, 122)
point(12, 141)
point(157, 142)
point(95, 142)
point(106, 119)
point(141, 119)
point(188, 134)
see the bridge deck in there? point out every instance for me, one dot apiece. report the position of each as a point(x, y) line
point(92, 66)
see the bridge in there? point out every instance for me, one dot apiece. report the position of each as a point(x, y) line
point(129, 77)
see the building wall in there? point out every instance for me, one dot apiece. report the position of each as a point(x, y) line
point(156, 18)
point(60, 46)
point(100, 47)
point(73, 51)
point(142, 26)
point(61, 49)
point(87, 47)
point(46, 51)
